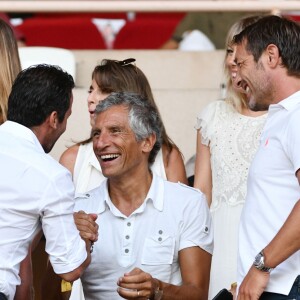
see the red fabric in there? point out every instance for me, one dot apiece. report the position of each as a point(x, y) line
point(76, 30)
point(114, 15)
point(295, 18)
point(82, 15)
point(145, 34)
point(69, 33)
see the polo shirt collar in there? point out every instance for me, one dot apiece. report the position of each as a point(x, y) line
point(155, 195)
point(288, 103)
point(156, 192)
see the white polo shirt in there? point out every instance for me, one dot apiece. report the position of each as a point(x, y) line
point(273, 190)
point(172, 217)
point(34, 189)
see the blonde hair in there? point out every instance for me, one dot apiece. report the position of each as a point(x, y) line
point(10, 65)
point(238, 100)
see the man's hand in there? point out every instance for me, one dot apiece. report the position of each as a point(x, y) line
point(137, 284)
point(253, 284)
point(87, 226)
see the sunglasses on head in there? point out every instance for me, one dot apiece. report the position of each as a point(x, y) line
point(125, 62)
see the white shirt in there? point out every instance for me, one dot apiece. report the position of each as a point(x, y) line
point(35, 190)
point(273, 190)
point(172, 217)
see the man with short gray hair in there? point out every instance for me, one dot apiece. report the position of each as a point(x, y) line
point(156, 239)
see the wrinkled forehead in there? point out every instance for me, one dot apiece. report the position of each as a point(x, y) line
point(117, 114)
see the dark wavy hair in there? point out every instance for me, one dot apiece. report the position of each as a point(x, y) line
point(37, 92)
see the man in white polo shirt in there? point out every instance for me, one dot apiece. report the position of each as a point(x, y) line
point(268, 57)
point(155, 239)
point(36, 191)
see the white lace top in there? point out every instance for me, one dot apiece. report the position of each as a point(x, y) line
point(233, 140)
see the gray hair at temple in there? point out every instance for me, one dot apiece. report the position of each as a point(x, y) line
point(143, 117)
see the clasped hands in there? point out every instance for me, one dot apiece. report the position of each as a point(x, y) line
point(137, 284)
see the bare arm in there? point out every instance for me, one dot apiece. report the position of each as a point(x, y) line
point(195, 269)
point(203, 175)
point(174, 165)
point(285, 243)
point(68, 158)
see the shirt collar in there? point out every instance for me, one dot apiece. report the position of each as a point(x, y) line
point(288, 103)
point(22, 132)
point(155, 195)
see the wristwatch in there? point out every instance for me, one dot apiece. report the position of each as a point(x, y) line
point(259, 263)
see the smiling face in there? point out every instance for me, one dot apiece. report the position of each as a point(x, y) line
point(115, 144)
point(232, 68)
point(95, 96)
point(255, 79)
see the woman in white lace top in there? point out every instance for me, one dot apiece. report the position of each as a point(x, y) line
point(228, 134)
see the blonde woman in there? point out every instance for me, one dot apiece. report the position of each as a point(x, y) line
point(227, 139)
point(10, 65)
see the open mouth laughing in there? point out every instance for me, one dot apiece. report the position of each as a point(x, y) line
point(109, 157)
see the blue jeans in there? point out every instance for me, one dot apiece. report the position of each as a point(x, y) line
point(293, 295)
point(2, 296)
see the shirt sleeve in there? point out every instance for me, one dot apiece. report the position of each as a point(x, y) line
point(197, 225)
point(205, 122)
point(64, 245)
point(292, 140)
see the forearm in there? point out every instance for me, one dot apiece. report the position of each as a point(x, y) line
point(183, 292)
point(195, 264)
point(287, 240)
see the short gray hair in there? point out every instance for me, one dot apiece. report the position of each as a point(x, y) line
point(143, 117)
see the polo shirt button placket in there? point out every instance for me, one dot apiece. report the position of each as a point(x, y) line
point(127, 239)
point(160, 232)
